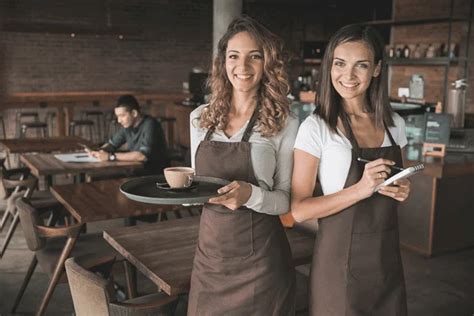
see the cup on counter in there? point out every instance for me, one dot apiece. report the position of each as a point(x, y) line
point(179, 177)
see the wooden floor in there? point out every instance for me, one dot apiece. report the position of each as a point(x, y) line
point(443, 285)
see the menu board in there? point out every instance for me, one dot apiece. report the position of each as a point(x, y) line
point(437, 128)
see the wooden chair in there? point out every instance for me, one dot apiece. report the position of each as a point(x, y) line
point(43, 201)
point(171, 134)
point(53, 245)
point(16, 173)
point(92, 294)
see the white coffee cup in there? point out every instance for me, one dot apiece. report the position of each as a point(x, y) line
point(179, 177)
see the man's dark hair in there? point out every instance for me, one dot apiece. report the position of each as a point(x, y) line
point(129, 102)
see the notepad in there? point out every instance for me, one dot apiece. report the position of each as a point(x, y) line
point(408, 172)
point(76, 157)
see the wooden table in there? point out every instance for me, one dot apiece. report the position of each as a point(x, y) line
point(102, 200)
point(89, 202)
point(164, 251)
point(47, 165)
point(44, 145)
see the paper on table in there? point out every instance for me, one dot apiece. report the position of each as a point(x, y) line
point(401, 175)
point(76, 157)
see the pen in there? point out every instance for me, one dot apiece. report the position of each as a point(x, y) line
point(365, 160)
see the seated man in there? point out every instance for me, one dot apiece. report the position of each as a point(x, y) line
point(142, 134)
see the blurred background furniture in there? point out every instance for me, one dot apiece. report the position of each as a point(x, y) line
point(92, 294)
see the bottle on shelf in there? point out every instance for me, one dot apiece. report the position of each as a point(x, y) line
point(439, 107)
point(431, 51)
point(406, 52)
point(399, 52)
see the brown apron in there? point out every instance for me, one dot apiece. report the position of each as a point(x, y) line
point(357, 268)
point(243, 263)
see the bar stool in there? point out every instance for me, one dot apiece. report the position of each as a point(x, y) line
point(111, 124)
point(97, 117)
point(22, 127)
point(50, 119)
point(4, 136)
point(3, 130)
point(36, 125)
point(74, 125)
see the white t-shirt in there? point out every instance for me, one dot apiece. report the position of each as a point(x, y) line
point(272, 162)
point(334, 150)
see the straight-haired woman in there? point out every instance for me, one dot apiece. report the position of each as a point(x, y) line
point(356, 267)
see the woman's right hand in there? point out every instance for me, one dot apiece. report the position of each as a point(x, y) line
point(375, 173)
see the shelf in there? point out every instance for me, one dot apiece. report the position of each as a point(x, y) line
point(435, 61)
point(415, 21)
point(65, 28)
point(312, 61)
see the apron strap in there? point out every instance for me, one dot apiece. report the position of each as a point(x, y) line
point(352, 139)
point(209, 133)
point(389, 135)
point(249, 129)
point(350, 134)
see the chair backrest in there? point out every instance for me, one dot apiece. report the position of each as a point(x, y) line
point(3, 192)
point(14, 186)
point(29, 219)
point(90, 292)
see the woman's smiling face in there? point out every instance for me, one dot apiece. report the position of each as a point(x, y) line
point(244, 63)
point(352, 70)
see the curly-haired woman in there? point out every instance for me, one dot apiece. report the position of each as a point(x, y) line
point(245, 134)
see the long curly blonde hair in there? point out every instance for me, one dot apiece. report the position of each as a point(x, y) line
point(272, 103)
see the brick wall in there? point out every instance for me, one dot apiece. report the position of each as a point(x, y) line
point(162, 41)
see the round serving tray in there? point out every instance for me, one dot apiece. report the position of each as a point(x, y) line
point(144, 189)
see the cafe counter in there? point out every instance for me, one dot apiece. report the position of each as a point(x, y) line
point(438, 216)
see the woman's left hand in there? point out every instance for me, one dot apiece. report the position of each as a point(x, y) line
point(399, 191)
point(234, 195)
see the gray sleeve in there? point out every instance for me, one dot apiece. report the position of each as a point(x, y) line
point(146, 141)
point(194, 133)
point(118, 139)
point(277, 200)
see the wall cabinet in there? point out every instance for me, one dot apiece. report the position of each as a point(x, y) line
point(439, 24)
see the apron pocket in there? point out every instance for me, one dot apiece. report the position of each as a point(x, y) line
point(374, 255)
point(226, 234)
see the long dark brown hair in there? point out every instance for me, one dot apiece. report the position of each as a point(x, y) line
point(329, 101)
point(273, 104)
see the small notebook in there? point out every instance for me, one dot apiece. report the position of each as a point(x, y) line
point(76, 157)
point(405, 173)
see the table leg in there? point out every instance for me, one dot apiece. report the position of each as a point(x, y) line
point(48, 181)
point(80, 178)
point(131, 279)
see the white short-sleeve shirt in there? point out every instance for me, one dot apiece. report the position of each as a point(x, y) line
point(335, 150)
